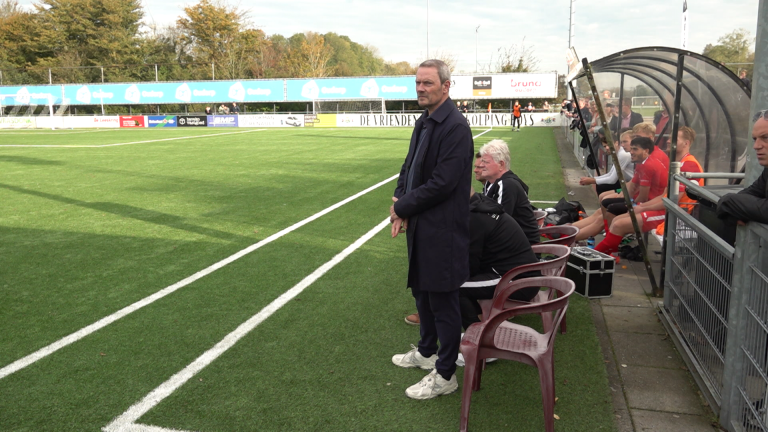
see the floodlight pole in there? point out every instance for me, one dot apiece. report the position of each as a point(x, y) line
point(427, 29)
point(476, 28)
point(620, 174)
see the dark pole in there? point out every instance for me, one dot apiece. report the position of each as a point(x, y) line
point(674, 168)
point(583, 128)
point(627, 199)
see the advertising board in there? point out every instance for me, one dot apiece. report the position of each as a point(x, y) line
point(79, 122)
point(192, 121)
point(504, 86)
point(474, 120)
point(161, 121)
point(133, 121)
point(17, 123)
point(222, 121)
point(271, 120)
point(30, 95)
point(395, 88)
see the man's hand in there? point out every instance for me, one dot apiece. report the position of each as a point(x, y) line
point(392, 214)
point(587, 180)
point(399, 226)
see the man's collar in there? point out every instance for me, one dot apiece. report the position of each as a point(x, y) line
point(442, 111)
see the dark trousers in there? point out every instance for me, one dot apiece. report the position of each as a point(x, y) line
point(600, 188)
point(440, 318)
point(515, 120)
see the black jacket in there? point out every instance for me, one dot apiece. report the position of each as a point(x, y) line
point(634, 119)
point(436, 207)
point(497, 243)
point(508, 191)
point(750, 204)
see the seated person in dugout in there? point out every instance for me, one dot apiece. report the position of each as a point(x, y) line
point(649, 181)
point(507, 189)
point(647, 131)
point(593, 225)
point(685, 138)
point(497, 245)
point(610, 180)
point(751, 204)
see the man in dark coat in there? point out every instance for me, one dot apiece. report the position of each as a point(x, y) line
point(628, 118)
point(431, 201)
point(751, 204)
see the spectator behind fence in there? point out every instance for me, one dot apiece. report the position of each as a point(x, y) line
point(628, 118)
point(751, 204)
point(235, 108)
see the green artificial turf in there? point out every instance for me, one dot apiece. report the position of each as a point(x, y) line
point(88, 231)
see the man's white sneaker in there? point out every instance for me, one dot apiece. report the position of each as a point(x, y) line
point(432, 386)
point(413, 359)
point(460, 360)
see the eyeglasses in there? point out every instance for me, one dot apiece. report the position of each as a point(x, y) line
point(759, 115)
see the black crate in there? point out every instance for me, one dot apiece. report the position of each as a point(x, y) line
point(592, 271)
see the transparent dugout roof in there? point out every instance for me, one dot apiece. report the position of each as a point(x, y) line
point(714, 102)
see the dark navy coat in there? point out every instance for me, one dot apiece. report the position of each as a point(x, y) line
point(436, 207)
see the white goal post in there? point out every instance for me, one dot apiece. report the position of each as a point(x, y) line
point(349, 106)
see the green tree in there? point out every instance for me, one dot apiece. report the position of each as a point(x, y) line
point(308, 56)
point(207, 32)
point(731, 49)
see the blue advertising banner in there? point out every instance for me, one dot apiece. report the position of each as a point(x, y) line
point(396, 88)
point(161, 121)
point(222, 121)
point(30, 95)
point(147, 93)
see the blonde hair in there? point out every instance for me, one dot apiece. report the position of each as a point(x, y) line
point(644, 129)
point(688, 133)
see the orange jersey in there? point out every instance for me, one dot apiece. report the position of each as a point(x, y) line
point(689, 164)
point(516, 110)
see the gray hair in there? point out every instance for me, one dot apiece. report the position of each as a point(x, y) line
point(498, 150)
point(443, 71)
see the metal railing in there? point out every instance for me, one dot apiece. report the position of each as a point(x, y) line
point(716, 302)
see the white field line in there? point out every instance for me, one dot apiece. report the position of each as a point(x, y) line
point(544, 202)
point(85, 331)
point(125, 422)
point(482, 133)
point(129, 143)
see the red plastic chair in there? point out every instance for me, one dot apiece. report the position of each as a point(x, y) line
point(496, 337)
point(565, 234)
point(553, 267)
point(540, 215)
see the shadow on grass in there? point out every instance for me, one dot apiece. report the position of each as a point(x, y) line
point(24, 160)
point(128, 211)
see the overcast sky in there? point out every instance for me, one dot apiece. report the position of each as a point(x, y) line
point(398, 28)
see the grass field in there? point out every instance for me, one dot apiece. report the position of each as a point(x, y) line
point(89, 231)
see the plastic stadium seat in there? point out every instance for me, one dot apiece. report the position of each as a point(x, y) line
point(553, 267)
point(540, 215)
point(563, 234)
point(496, 337)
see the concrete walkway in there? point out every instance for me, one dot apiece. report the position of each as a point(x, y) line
point(651, 387)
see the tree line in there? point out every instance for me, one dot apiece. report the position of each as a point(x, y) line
point(106, 40)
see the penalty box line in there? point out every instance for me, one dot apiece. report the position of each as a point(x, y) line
point(126, 421)
point(85, 331)
point(128, 143)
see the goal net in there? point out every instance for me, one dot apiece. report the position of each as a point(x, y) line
point(345, 106)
